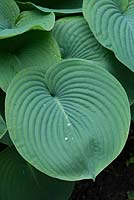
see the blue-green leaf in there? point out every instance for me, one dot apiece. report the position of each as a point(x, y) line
point(34, 48)
point(12, 22)
point(76, 40)
point(112, 24)
point(65, 120)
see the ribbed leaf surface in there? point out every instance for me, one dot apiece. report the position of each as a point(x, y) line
point(58, 6)
point(19, 180)
point(34, 48)
point(12, 22)
point(70, 121)
point(76, 40)
point(112, 23)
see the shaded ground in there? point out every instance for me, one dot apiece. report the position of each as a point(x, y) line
point(116, 182)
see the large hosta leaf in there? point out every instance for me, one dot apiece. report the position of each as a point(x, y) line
point(70, 121)
point(12, 22)
point(60, 6)
point(111, 21)
point(76, 40)
point(34, 48)
point(19, 180)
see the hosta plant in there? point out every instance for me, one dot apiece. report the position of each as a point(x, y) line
point(66, 87)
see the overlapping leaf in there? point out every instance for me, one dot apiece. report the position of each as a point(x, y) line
point(70, 121)
point(76, 40)
point(34, 48)
point(19, 180)
point(111, 21)
point(58, 6)
point(12, 22)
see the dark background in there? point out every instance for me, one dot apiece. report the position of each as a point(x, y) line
point(116, 182)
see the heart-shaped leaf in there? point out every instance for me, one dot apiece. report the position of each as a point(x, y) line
point(57, 6)
point(12, 22)
point(33, 48)
point(112, 24)
point(19, 180)
point(70, 121)
point(76, 40)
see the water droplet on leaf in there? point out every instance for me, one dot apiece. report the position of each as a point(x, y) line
point(66, 138)
point(69, 124)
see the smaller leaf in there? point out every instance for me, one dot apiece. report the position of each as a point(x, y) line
point(12, 22)
point(33, 48)
point(19, 180)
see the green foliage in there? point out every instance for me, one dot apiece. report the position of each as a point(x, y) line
point(13, 22)
point(66, 87)
point(34, 48)
point(52, 108)
point(111, 21)
point(131, 195)
point(19, 180)
point(76, 40)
